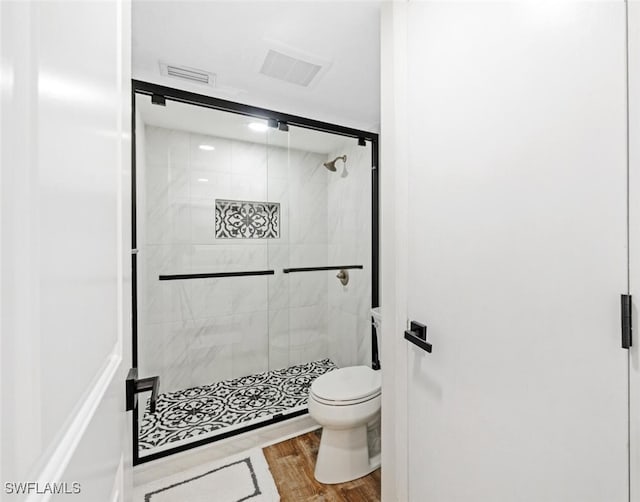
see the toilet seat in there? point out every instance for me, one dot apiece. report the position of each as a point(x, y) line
point(329, 402)
point(346, 386)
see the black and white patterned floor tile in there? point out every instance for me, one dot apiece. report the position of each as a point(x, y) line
point(201, 410)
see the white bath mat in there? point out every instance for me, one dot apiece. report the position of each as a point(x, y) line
point(233, 479)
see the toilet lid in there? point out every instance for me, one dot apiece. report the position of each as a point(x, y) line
point(347, 384)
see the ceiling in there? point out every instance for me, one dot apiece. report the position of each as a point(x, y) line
point(214, 123)
point(231, 39)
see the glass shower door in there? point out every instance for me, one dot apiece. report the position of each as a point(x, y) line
point(317, 323)
point(204, 219)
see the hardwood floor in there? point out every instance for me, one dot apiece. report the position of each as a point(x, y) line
point(292, 463)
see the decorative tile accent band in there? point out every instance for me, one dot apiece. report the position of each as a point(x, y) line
point(243, 219)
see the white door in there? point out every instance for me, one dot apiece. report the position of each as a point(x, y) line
point(65, 345)
point(517, 252)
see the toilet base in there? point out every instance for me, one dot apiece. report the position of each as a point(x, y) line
point(344, 455)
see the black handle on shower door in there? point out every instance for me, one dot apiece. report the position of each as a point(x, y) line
point(418, 336)
point(135, 385)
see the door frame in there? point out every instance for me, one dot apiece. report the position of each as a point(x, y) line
point(179, 95)
point(394, 254)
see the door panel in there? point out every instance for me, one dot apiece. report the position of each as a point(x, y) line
point(634, 236)
point(65, 249)
point(517, 253)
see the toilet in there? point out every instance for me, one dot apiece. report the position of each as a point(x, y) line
point(345, 402)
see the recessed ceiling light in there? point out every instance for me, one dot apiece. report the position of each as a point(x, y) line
point(207, 148)
point(258, 126)
point(203, 180)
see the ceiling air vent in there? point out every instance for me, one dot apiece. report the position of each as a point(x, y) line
point(190, 74)
point(290, 65)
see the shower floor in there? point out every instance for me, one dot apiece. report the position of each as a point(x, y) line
point(204, 410)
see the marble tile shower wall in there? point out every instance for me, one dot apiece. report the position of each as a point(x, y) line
point(304, 306)
point(195, 332)
point(349, 225)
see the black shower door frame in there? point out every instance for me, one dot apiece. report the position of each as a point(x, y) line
point(159, 95)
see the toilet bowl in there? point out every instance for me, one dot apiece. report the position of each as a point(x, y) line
point(345, 401)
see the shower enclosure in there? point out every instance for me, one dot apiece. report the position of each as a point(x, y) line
point(255, 264)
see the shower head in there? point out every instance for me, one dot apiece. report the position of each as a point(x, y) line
point(331, 166)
